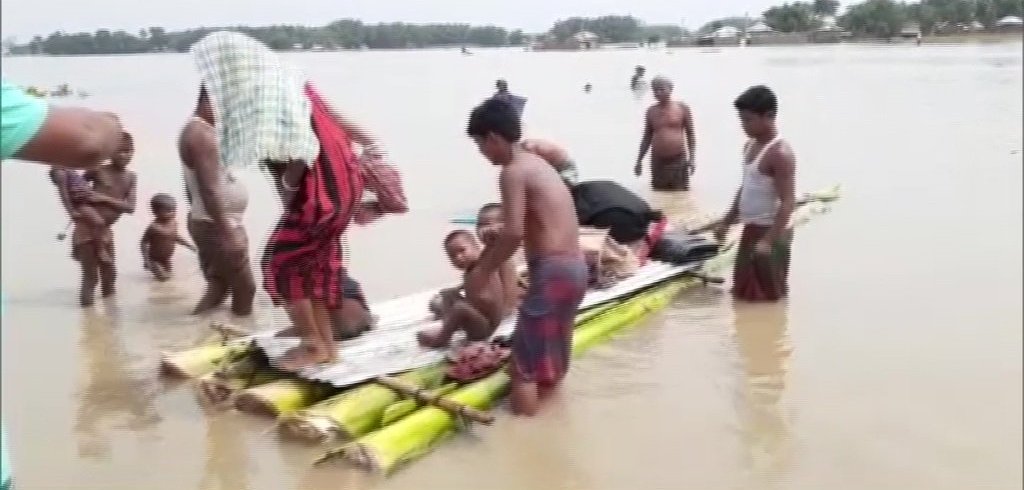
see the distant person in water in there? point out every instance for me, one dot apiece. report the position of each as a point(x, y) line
point(538, 213)
point(764, 202)
point(502, 94)
point(668, 134)
point(637, 81)
point(161, 237)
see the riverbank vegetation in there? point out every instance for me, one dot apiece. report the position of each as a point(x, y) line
point(869, 19)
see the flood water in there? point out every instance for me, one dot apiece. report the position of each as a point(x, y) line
point(896, 364)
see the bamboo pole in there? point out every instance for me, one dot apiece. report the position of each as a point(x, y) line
point(451, 406)
point(402, 408)
point(354, 412)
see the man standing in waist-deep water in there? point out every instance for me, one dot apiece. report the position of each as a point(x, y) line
point(668, 133)
point(764, 202)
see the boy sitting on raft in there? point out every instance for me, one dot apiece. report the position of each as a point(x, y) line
point(482, 308)
point(538, 212)
point(160, 237)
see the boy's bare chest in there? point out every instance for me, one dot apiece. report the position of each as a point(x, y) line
point(114, 184)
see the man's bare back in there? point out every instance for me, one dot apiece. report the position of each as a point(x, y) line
point(550, 152)
point(550, 227)
point(194, 133)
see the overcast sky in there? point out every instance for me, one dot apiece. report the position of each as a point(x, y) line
point(25, 18)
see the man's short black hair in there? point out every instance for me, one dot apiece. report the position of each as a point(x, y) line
point(759, 100)
point(456, 233)
point(495, 116)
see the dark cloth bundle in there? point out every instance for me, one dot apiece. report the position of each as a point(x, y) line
point(680, 247)
point(607, 205)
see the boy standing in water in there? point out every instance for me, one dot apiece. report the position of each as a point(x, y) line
point(160, 237)
point(538, 211)
point(113, 189)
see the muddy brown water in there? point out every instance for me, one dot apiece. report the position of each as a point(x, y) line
point(895, 364)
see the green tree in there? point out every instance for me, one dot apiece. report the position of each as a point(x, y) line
point(826, 7)
point(740, 23)
point(791, 17)
point(610, 28)
point(880, 18)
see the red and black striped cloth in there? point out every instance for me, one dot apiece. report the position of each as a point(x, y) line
point(303, 258)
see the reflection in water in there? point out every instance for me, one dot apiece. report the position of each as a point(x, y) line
point(227, 464)
point(112, 388)
point(760, 330)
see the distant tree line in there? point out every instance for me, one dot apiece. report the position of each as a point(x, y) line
point(341, 34)
point(879, 18)
point(615, 29)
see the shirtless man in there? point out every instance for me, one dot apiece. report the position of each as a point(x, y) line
point(668, 133)
point(538, 212)
point(217, 202)
point(556, 156)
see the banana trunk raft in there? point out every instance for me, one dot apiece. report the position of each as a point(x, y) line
point(383, 428)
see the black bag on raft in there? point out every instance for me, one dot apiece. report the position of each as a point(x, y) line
point(607, 205)
point(680, 247)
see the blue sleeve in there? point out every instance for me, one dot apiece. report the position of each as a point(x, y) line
point(21, 117)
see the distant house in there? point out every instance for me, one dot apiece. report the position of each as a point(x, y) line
point(758, 28)
point(726, 32)
point(829, 32)
point(1010, 23)
point(586, 39)
point(911, 30)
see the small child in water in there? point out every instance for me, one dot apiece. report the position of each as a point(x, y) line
point(77, 198)
point(161, 236)
point(478, 313)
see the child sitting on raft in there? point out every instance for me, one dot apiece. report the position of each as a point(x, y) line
point(488, 225)
point(477, 313)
